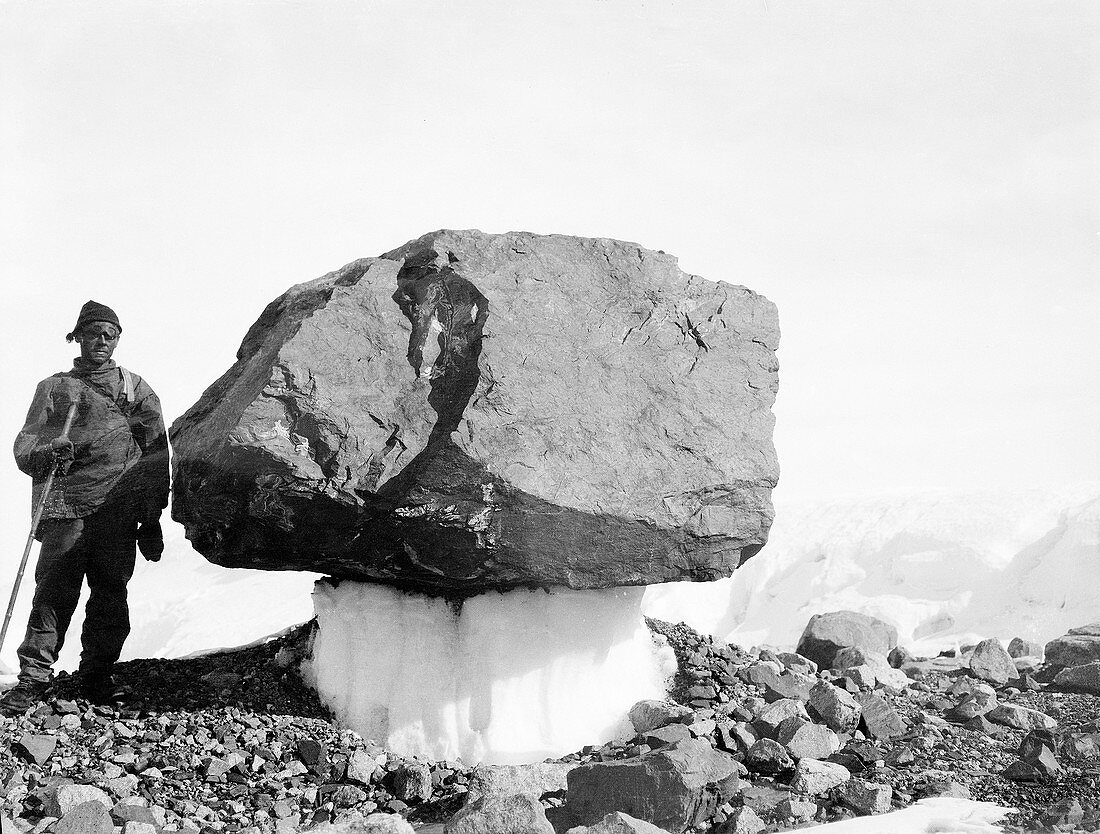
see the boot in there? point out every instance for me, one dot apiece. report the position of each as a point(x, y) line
point(23, 696)
point(100, 688)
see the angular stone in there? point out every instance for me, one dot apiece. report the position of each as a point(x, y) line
point(670, 734)
point(826, 634)
point(768, 719)
point(795, 662)
point(133, 827)
point(1077, 647)
point(618, 823)
point(124, 812)
point(877, 718)
point(1021, 718)
point(1064, 815)
point(66, 797)
point(743, 820)
point(650, 714)
point(808, 741)
point(473, 412)
point(1084, 678)
point(837, 709)
point(89, 817)
point(800, 810)
point(992, 663)
point(768, 757)
point(377, 823)
point(362, 767)
point(1081, 746)
point(35, 748)
point(736, 736)
point(535, 779)
point(672, 788)
point(517, 814)
point(866, 797)
point(814, 777)
point(412, 782)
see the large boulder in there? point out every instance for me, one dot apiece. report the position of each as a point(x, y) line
point(828, 633)
point(673, 788)
point(474, 412)
point(1077, 647)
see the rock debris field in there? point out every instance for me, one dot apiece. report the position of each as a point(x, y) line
point(746, 742)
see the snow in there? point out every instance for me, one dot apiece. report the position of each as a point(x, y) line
point(510, 678)
point(944, 568)
point(936, 815)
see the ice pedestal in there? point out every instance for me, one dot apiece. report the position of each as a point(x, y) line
point(506, 678)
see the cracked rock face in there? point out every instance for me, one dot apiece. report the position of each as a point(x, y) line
point(474, 412)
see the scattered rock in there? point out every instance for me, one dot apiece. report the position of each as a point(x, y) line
point(1021, 718)
point(649, 715)
point(65, 798)
point(877, 718)
point(992, 663)
point(1083, 678)
point(1077, 647)
point(1018, 647)
point(35, 748)
point(535, 779)
point(89, 817)
point(866, 797)
point(804, 740)
point(768, 757)
point(743, 820)
point(672, 788)
point(815, 777)
point(836, 708)
point(516, 814)
point(618, 823)
point(826, 634)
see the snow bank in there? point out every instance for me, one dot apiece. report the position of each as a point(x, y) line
point(511, 678)
point(943, 568)
point(936, 815)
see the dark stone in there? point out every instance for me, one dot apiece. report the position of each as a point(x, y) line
point(826, 634)
point(428, 419)
point(877, 718)
point(673, 788)
point(35, 748)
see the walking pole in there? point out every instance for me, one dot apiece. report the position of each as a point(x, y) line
point(34, 525)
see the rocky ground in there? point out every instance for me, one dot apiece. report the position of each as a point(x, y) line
point(235, 742)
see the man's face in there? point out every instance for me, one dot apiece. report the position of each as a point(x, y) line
point(97, 342)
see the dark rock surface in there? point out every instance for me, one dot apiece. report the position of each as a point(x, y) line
point(474, 412)
point(1076, 647)
point(826, 634)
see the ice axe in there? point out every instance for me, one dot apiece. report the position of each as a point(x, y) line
point(39, 507)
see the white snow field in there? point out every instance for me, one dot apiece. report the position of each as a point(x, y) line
point(510, 678)
point(944, 568)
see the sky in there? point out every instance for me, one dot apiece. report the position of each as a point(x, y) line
point(913, 184)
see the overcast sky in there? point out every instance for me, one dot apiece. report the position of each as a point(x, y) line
point(914, 184)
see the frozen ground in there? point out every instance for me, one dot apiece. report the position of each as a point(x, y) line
point(940, 815)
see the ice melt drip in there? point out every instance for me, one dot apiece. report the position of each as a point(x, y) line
point(510, 678)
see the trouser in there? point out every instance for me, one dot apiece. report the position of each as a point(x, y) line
point(101, 547)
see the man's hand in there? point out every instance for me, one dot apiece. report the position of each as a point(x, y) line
point(150, 540)
point(60, 453)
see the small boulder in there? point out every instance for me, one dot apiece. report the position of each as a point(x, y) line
point(618, 823)
point(767, 721)
point(650, 714)
point(992, 663)
point(866, 797)
point(517, 814)
point(1084, 678)
point(672, 788)
point(804, 740)
point(1021, 718)
point(91, 817)
point(768, 757)
point(834, 707)
point(877, 718)
point(826, 634)
point(412, 782)
point(66, 797)
point(504, 780)
point(1077, 647)
point(743, 820)
point(35, 748)
point(815, 777)
point(1018, 647)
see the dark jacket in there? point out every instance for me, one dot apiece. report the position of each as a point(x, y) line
point(119, 444)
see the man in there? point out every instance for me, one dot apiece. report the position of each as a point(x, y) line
point(110, 488)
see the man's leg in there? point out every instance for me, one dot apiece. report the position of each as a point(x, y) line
point(58, 577)
point(112, 553)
